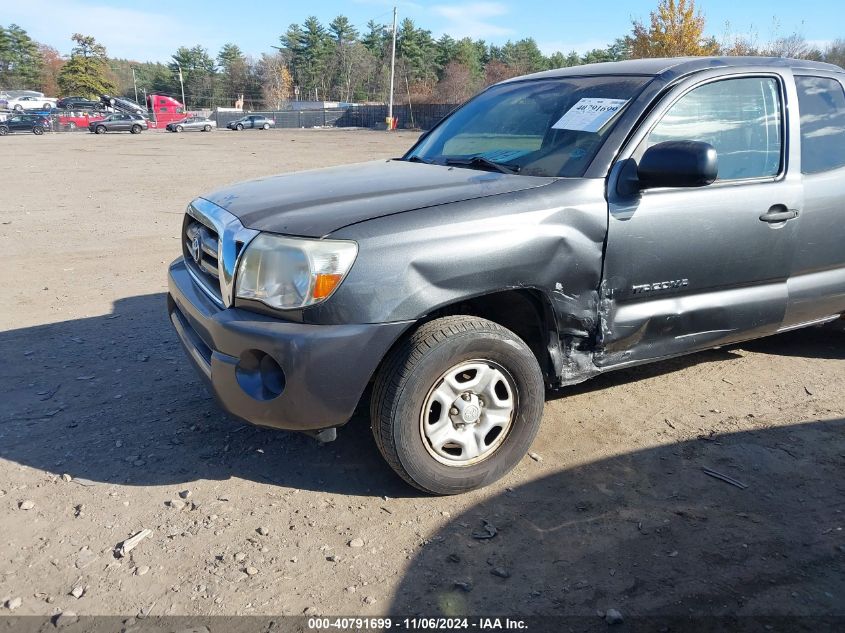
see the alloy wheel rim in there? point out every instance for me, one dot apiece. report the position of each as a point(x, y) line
point(468, 412)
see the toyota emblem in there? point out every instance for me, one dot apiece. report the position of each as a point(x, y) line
point(196, 249)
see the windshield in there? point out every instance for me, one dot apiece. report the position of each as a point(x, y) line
point(544, 127)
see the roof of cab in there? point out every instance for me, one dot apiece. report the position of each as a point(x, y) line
point(673, 67)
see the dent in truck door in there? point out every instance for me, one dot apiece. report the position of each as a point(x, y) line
point(692, 268)
point(817, 281)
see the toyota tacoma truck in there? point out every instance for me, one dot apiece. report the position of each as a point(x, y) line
point(555, 227)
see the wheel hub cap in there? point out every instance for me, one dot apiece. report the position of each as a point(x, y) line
point(468, 412)
point(469, 409)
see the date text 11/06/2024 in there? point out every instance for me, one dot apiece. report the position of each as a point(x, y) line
point(411, 624)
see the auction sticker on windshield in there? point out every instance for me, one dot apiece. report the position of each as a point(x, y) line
point(590, 114)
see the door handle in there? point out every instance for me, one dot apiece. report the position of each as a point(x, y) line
point(779, 213)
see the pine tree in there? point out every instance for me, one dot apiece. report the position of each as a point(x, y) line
point(20, 60)
point(86, 74)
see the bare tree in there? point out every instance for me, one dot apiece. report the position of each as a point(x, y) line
point(835, 53)
point(496, 71)
point(456, 85)
point(276, 80)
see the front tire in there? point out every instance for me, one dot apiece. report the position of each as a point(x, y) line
point(239, 127)
point(100, 129)
point(457, 404)
point(178, 128)
point(266, 126)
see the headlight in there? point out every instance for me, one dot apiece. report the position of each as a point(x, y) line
point(287, 273)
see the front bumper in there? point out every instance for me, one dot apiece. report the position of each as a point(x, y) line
point(325, 367)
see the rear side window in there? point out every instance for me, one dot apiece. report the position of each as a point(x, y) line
point(822, 104)
point(741, 118)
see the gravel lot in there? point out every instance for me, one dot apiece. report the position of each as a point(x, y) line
point(106, 431)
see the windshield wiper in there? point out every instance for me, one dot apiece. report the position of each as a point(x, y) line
point(419, 159)
point(480, 161)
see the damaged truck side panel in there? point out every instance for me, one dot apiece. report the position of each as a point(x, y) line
point(549, 240)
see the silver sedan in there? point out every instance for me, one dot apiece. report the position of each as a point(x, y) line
point(192, 123)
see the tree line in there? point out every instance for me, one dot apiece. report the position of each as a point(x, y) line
point(339, 62)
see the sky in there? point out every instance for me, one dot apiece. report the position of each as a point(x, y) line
point(152, 31)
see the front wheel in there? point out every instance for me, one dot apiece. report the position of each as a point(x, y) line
point(100, 129)
point(71, 127)
point(239, 127)
point(3, 130)
point(178, 128)
point(457, 404)
point(266, 126)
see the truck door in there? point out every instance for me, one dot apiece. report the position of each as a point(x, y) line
point(693, 268)
point(817, 280)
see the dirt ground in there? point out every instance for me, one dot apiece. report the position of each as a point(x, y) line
point(103, 425)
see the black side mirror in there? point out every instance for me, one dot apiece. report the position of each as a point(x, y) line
point(678, 164)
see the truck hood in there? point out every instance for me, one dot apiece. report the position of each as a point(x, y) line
point(316, 203)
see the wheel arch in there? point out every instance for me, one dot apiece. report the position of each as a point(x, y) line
point(530, 313)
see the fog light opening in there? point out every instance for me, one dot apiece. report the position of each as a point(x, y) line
point(259, 375)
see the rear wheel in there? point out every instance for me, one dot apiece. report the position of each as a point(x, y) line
point(100, 129)
point(136, 129)
point(18, 108)
point(38, 130)
point(457, 404)
point(48, 106)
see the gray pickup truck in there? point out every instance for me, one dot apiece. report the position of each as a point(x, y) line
point(555, 227)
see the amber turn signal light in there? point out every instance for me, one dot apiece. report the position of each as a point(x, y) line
point(325, 284)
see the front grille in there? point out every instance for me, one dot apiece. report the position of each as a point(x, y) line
point(201, 248)
point(212, 242)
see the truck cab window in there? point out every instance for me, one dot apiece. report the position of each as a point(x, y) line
point(741, 118)
point(821, 102)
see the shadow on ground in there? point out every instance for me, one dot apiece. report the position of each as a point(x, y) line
point(650, 534)
point(112, 399)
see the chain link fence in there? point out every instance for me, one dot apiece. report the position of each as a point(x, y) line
point(419, 117)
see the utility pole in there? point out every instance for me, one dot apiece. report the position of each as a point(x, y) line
point(135, 83)
point(392, 69)
point(182, 83)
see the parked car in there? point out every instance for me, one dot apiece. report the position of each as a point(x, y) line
point(30, 102)
point(34, 123)
point(78, 103)
point(192, 123)
point(119, 122)
point(252, 122)
point(554, 228)
point(71, 120)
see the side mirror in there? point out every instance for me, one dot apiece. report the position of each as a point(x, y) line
point(678, 164)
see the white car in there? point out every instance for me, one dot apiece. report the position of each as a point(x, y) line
point(30, 102)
